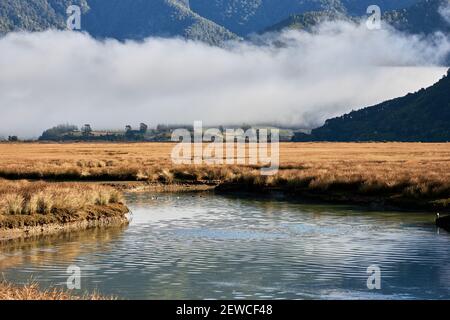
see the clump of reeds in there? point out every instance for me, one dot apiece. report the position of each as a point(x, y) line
point(28, 198)
point(13, 203)
point(32, 291)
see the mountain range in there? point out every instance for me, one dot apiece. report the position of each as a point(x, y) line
point(139, 19)
point(420, 116)
point(212, 21)
point(423, 17)
point(119, 19)
point(426, 17)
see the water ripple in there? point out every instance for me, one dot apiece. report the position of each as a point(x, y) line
point(212, 247)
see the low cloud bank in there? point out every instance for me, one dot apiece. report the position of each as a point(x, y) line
point(58, 77)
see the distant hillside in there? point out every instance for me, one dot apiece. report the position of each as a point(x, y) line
point(359, 7)
point(138, 19)
point(212, 21)
point(246, 16)
point(421, 116)
point(308, 20)
point(120, 19)
point(35, 15)
point(249, 16)
point(423, 17)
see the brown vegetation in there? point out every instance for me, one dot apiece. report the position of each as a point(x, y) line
point(26, 205)
point(399, 172)
point(31, 291)
point(30, 198)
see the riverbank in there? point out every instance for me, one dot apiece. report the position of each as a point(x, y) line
point(40, 208)
point(32, 291)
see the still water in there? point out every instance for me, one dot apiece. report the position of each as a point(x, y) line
point(205, 246)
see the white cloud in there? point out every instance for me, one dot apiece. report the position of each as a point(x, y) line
point(444, 11)
point(57, 77)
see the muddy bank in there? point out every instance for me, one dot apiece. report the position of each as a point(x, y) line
point(24, 226)
point(136, 186)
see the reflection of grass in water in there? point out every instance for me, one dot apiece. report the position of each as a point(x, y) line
point(34, 250)
point(271, 206)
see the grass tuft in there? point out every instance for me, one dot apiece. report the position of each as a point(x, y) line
point(32, 291)
point(31, 198)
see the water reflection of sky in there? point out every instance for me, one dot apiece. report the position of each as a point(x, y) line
point(205, 246)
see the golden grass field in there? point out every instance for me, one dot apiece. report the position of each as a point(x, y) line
point(413, 170)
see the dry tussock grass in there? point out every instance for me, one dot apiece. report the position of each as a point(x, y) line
point(31, 291)
point(407, 169)
point(30, 198)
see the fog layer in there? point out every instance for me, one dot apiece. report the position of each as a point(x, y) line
point(300, 79)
